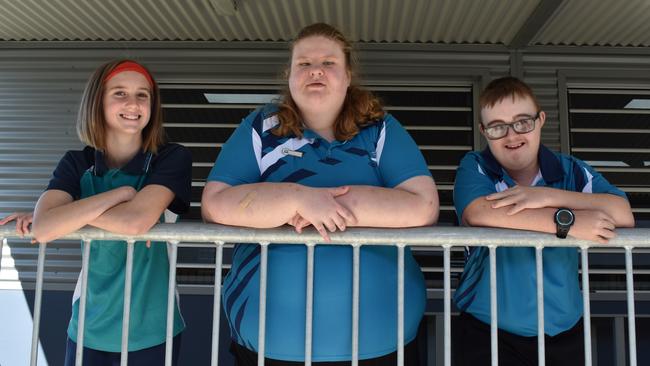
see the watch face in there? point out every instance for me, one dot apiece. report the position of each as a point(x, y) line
point(564, 217)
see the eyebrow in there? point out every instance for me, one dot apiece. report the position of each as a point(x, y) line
point(124, 87)
point(514, 119)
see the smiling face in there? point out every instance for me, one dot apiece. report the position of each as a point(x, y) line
point(517, 153)
point(127, 103)
point(319, 77)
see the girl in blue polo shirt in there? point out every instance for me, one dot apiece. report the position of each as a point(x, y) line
point(326, 156)
point(121, 182)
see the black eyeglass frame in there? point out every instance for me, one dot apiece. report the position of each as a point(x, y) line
point(511, 125)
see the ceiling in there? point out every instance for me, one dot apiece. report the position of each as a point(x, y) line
point(513, 23)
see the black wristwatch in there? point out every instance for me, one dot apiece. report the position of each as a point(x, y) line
point(564, 218)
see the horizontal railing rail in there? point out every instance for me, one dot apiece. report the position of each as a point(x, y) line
point(445, 237)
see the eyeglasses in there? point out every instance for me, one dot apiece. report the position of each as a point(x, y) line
point(500, 130)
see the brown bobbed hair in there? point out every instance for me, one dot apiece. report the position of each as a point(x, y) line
point(360, 106)
point(506, 87)
point(91, 122)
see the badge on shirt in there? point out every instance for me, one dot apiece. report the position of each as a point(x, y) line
point(287, 151)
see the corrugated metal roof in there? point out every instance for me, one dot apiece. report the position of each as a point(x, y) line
point(581, 22)
point(598, 23)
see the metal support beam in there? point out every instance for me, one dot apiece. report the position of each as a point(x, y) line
point(535, 22)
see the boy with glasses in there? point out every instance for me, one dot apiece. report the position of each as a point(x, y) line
point(518, 183)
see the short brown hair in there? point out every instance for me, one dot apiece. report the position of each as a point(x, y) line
point(91, 122)
point(360, 106)
point(502, 88)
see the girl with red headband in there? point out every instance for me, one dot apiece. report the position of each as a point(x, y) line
point(122, 181)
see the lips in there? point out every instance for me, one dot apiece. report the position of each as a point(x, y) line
point(514, 146)
point(130, 117)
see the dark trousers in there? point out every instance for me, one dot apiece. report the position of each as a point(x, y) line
point(471, 342)
point(153, 356)
point(246, 357)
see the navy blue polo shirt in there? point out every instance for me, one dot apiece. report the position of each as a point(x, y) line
point(83, 174)
point(479, 175)
point(381, 154)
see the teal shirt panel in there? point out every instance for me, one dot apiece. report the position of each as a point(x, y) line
point(105, 293)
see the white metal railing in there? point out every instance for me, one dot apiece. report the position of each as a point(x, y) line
point(445, 237)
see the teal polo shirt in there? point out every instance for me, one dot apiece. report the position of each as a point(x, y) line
point(381, 154)
point(83, 174)
point(479, 175)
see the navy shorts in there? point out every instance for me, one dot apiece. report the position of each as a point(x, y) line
point(146, 357)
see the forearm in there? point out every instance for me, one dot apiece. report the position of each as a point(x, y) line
point(260, 205)
point(53, 222)
point(615, 206)
point(391, 207)
point(481, 213)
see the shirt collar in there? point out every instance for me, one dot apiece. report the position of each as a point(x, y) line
point(549, 164)
point(139, 164)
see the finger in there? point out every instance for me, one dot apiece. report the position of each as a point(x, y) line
point(608, 234)
point(19, 228)
point(302, 223)
point(25, 226)
point(500, 195)
point(340, 222)
point(503, 202)
point(148, 244)
point(349, 217)
point(8, 218)
point(321, 230)
point(330, 225)
point(516, 208)
point(339, 191)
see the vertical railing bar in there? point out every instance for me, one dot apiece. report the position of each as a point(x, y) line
point(261, 335)
point(85, 262)
point(447, 304)
point(586, 305)
point(631, 316)
point(38, 297)
point(541, 349)
point(494, 341)
point(3, 243)
point(216, 311)
point(128, 275)
point(309, 304)
point(356, 250)
point(171, 294)
point(400, 304)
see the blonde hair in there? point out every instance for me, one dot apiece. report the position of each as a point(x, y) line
point(91, 122)
point(360, 106)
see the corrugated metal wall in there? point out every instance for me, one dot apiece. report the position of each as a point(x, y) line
point(41, 84)
point(40, 88)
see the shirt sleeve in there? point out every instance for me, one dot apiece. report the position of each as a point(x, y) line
point(595, 182)
point(237, 162)
point(471, 183)
point(67, 175)
point(398, 155)
point(172, 168)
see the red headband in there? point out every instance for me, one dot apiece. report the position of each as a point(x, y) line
point(130, 66)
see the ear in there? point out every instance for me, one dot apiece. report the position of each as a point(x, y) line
point(542, 118)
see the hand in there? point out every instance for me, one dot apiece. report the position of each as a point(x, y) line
point(299, 223)
point(521, 198)
point(23, 220)
point(128, 192)
point(318, 207)
point(593, 225)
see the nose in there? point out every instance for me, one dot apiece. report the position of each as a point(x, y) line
point(131, 100)
point(316, 71)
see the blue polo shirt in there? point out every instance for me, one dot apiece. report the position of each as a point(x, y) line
point(479, 175)
point(83, 174)
point(381, 154)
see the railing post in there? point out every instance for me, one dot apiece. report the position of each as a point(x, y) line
point(356, 254)
point(171, 294)
point(400, 304)
point(447, 303)
point(261, 335)
point(38, 297)
point(216, 311)
point(586, 305)
point(85, 262)
point(128, 274)
point(3, 243)
point(309, 303)
point(631, 317)
point(494, 324)
point(539, 261)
